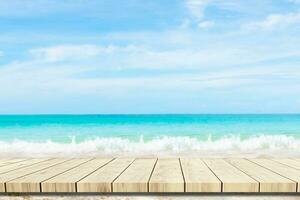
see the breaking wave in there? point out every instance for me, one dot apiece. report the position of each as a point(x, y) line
point(256, 146)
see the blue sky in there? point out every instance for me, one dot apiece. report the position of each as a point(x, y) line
point(158, 56)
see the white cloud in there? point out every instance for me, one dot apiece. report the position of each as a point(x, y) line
point(206, 24)
point(165, 55)
point(274, 21)
point(59, 53)
point(135, 57)
point(75, 52)
point(28, 78)
point(38, 80)
point(196, 7)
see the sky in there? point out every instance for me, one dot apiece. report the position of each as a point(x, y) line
point(158, 56)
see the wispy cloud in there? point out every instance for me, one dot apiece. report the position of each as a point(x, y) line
point(274, 21)
point(197, 7)
point(168, 51)
point(76, 52)
point(97, 54)
point(136, 57)
point(48, 80)
point(206, 24)
point(29, 77)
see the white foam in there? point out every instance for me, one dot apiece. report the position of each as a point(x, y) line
point(264, 145)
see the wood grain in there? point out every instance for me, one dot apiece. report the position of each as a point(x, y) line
point(31, 182)
point(8, 176)
point(279, 168)
point(198, 177)
point(66, 182)
point(268, 180)
point(233, 180)
point(135, 178)
point(101, 180)
point(167, 176)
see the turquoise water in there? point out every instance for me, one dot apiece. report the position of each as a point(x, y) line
point(61, 128)
point(134, 131)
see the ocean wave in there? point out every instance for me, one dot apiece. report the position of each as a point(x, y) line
point(256, 146)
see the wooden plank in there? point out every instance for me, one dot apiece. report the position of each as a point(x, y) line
point(268, 180)
point(198, 177)
point(101, 180)
point(279, 168)
point(3, 160)
point(18, 165)
point(135, 178)
point(233, 180)
point(145, 174)
point(8, 176)
point(66, 182)
point(31, 182)
point(290, 162)
point(6, 161)
point(167, 176)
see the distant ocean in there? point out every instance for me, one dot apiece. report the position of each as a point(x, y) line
point(149, 135)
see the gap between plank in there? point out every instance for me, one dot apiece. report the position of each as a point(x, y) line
point(287, 164)
point(148, 186)
point(25, 165)
point(245, 173)
point(214, 174)
point(6, 164)
point(184, 182)
point(275, 173)
point(92, 172)
point(62, 173)
point(34, 171)
point(67, 170)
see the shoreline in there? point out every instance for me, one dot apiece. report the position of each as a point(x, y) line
point(176, 146)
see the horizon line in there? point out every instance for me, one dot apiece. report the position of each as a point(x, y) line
point(31, 114)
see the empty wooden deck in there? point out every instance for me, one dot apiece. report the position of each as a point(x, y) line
point(176, 175)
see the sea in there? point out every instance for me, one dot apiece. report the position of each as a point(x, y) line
point(163, 135)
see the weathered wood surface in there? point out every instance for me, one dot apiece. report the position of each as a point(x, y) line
point(66, 182)
point(167, 176)
point(101, 180)
point(11, 175)
point(31, 182)
point(198, 177)
point(149, 175)
point(18, 165)
point(268, 180)
point(233, 179)
point(289, 162)
point(8, 161)
point(136, 177)
point(279, 168)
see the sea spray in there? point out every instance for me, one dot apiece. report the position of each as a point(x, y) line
point(262, 145)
